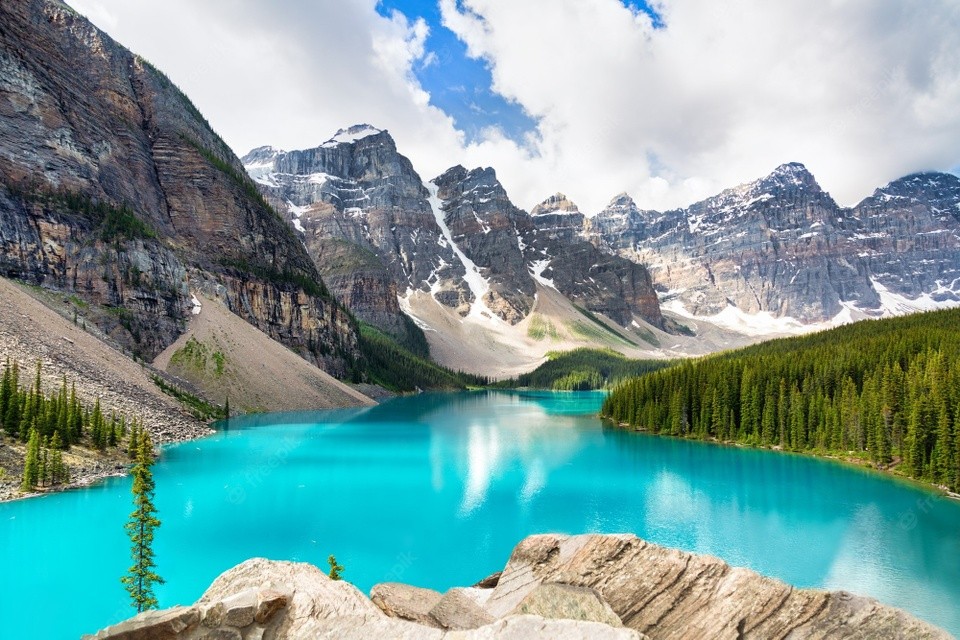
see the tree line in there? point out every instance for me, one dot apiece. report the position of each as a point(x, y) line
point(583, 369)
point(395, 367)
point(50, 424)
point(887, 391)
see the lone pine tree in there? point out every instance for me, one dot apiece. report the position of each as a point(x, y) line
point(141, 576)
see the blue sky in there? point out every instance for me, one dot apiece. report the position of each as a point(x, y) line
point(702, 96)
point(457, 84)
point(460, 85)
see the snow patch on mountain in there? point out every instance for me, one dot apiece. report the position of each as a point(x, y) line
point(351, 135)
point(537, 268)
point(479, 286)
point(894, 304)
point(297, 214)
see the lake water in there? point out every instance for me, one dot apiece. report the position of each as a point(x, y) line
point(435, 490)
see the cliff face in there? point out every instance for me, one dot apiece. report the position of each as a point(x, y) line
point(486, 226)
point(376, 232)
point(363, 214)
point(908, 235)
point(114, 188)
point(782, 245)
point(597, 280)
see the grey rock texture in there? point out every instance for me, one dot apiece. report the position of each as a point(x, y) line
point(599, 281)
point(782, 245)
point(566, 602)
point(579, 587)
point(375, 230)
point(461, 609)
point(486, 226)
point(114, 188)
point(399, 600)
point(364, 215)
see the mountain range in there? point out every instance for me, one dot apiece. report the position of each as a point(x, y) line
point(770, 257)
point(118, 193)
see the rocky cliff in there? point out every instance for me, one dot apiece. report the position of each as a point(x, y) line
point(115, 189)
point(596, 280)
point(781, 245)
point(376, 231)
point(558, 587)
point(486, 227)
point(364, 215)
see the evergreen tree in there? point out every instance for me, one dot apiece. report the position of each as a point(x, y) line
point(58, 470)
point(887, 391)
point(141, 576)
point(31, 467)
point(336, 569)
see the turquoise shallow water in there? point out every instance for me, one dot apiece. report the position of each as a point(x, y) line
point(435, 490)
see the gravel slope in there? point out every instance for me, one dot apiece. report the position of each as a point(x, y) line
point(31, 331)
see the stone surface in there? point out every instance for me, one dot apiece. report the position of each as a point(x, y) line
point(269, 602)
point(671, 594)
point(782, 245)
point(239, 609)
point(521, 627)
point(406, 602)
point(459, 609)
point(155, 625)
point(594, 579)
point(313, 595)
point(113, 188)
point(555, 600)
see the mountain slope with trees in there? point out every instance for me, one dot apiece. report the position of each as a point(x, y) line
point(885, 391)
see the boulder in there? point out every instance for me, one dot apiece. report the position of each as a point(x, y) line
point(154, 625)
point(524, 627)
point(406, 602)
point(459, 609)
point(672, 594)
point(308, 592)
point(563, 601)
point(554, 586)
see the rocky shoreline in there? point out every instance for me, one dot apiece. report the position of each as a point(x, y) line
point(87, 467)
point(615, 587)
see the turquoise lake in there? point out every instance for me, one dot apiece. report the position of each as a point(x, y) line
point(435, 490)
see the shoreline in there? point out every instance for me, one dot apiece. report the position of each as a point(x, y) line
point(88, 468)
point(863, 465)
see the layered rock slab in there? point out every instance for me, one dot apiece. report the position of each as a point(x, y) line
point(582, 587)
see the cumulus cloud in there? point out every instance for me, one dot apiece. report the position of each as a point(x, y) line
point(861, 92)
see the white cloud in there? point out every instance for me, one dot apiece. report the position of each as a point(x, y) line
point(861, 92)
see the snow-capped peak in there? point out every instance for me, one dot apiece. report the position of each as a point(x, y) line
point(351, 134)
point(261, 156)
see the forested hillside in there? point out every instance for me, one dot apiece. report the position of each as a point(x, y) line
point(885, 390)
point(583, 369)
point(396, 368)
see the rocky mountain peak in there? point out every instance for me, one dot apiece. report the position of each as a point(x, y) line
point(789, 176)
point(352, 134)
point(621, 201)
point(941, 190)
point(557, 203)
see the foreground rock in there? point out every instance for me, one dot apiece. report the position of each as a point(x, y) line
point(591, 586)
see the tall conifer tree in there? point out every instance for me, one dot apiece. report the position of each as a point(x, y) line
point(141, 576)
